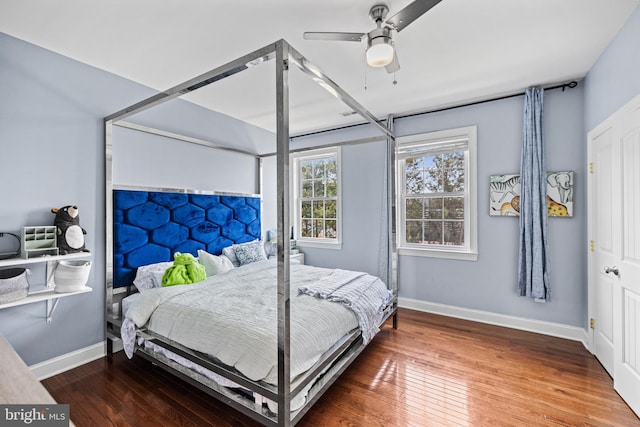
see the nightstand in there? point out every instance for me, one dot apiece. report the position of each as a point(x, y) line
point(297, 257)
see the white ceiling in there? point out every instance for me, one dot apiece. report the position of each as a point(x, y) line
point(459, 51)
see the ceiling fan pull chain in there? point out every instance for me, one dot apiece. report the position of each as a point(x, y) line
point(365, 78)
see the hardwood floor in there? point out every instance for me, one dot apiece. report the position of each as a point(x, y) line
point(432, 371)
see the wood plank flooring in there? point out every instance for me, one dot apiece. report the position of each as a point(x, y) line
point(432, 371)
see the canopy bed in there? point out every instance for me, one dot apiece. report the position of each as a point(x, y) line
point(252, 311)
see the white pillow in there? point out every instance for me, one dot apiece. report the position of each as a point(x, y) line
point(230, 253)
point(150, 276)
point(214, 264)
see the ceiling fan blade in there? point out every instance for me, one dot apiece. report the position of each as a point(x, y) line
point(410, 13)
point(394, 65)
point(343, 37)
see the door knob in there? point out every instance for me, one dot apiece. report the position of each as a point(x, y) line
point(613, 270)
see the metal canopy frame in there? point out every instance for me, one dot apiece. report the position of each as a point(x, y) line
point(284, 55)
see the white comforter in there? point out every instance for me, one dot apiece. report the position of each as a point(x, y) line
point(233, 317)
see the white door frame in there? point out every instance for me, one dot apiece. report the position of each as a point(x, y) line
point(595, 247)
point(625, 126)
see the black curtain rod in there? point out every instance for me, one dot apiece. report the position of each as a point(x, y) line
point(563, 86)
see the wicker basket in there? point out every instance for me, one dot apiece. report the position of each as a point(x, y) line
point(13, 284)
point(71, 276)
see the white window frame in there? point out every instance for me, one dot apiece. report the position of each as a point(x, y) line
point(295, 159)
point(470, 250)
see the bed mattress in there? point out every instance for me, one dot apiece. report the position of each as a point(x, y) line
point(233, 317)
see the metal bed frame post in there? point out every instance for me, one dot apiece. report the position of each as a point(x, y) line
point(392, 260)
point(108, 172)
point(282, 168)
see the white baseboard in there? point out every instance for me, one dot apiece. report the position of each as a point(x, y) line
point(573, 333)
point(57, 365)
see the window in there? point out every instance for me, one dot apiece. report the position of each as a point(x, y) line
point(437, 194)
point(317, 197)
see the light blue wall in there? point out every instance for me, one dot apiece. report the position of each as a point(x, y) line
point(144, 159)
point(52, 154)
point(489, 284)
point(615, 77)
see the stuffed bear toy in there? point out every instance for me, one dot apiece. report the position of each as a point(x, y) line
point(70, 234)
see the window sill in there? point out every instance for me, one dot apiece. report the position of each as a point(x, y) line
point(439, 253)
point(320, 244)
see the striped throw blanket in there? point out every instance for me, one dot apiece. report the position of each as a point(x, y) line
point(362, 293)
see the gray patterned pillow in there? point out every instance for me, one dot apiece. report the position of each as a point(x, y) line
point(247, 253)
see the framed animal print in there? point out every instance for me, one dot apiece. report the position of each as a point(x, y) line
point(504, 194)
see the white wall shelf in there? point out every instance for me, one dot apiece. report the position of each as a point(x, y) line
point(47, 258)
point(48, 294)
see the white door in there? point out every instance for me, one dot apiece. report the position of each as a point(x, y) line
point(602, 237)
point(626, 302)
point(614, 262)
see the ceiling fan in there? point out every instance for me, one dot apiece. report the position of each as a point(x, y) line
point(380, 45)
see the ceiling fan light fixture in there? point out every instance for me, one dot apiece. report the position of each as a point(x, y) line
point(379, 48)
point(380, 55)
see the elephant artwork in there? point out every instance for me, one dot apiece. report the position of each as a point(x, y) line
point(504, 192)
point(563, 182)
point(560, 193)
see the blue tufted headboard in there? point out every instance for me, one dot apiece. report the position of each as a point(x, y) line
point(150, 226)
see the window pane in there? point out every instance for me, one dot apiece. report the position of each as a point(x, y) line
point(331, 169)
point(452, 165)
point(413, 208)
point(432, 180)
point(454, 180)
point(331, 229)
point(433, 232)
point(307, 188)
point(330, 209)
point(305, 210)
point(318, 209)
point(318, 168)
point(414, 179)
point(454, 233)
point(318, 228)
point(454, 207)
point(306, 228)
point(414, 231)
point(318, 188)
point(305, 170)
point(332, 188)
point(433, 208)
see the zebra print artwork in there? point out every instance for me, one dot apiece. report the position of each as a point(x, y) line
point(504, 194)
point(502, 186)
